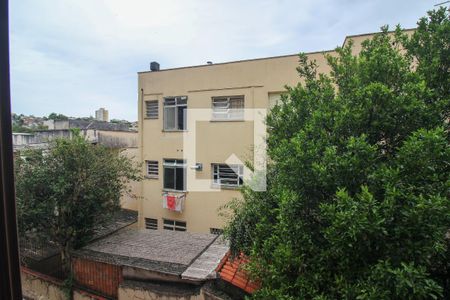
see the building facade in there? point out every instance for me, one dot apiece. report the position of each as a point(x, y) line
point(102, 114)
point(167, 98)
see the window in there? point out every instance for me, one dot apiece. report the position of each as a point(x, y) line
point(216, 231)
point(228, 175)
point(175, 109)
point(152, 168)
point(174, 174)
point(228, 108)
point(174, 225)
point(151, 109)
point(151, 223)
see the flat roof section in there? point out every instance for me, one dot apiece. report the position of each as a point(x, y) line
point(168, 252)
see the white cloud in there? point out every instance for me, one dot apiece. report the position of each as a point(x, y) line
point(73, 56)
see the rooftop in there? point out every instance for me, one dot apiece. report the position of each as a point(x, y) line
point(36, 249)
point(232, 270)
point(168, 252)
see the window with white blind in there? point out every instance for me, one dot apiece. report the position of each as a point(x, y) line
point(151, 223)
point(175, 110)
point(228, 175)
point(152, 168)
point(228, 108)
point(151, 109)
point(174, 174)
point(174, 225)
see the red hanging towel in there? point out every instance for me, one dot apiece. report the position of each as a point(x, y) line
point(171, 202)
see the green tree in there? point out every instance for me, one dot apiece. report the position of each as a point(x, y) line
point(64, 193)
point(57, 117)
point(357, 205)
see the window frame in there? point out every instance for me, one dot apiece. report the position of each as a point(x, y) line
point(173, 163)
point(179, 102)
point(151, 223)
point(176, 225)
point(217, 182)
point(148, 166)
point(227, 113)
point(148, 114)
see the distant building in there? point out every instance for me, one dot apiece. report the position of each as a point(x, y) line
point(102, 115)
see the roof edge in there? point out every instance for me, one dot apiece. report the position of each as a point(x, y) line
point(271, 57)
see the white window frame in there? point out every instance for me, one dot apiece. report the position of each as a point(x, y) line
point(152, 109)
point(169, 163)
point(221, 178)
point(175, 104)
point(152, 168)
point(174, 225)
point(223, 112)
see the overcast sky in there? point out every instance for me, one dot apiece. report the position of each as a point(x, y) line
point(74, 56)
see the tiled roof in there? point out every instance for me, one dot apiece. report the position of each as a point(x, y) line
point(231, 270)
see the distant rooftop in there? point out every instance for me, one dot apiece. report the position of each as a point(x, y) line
point(93, 124)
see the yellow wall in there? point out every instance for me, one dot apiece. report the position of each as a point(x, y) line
point(130, 199)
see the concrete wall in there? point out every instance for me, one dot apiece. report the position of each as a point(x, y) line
point(118, 139)
point(154, 291)
point(112, 139)
point(140, 294)
point(37, 286)
point(21, 139)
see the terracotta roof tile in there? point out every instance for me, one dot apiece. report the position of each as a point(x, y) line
point(231, 270)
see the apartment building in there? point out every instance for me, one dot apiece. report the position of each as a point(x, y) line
point(168, 97)
point(102, 114)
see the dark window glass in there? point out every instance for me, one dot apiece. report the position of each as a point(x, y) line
point(179, 179)
point(182, 117)
point(169, 178)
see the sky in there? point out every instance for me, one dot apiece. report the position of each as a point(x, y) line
point(74, 56)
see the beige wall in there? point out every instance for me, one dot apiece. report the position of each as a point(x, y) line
point(128, 293)
point(130, 199)
point(261, 81)
point(35, 287)
point(41, 287)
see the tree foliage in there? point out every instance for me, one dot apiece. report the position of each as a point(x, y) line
point(57, 117)
point(357, 205)
point(64, 193)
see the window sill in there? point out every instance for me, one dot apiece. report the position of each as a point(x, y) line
point(148, 118)
point(236, 120)
point(151, 177)
point(225, 187)
point(173, 191)
point(175, 130)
